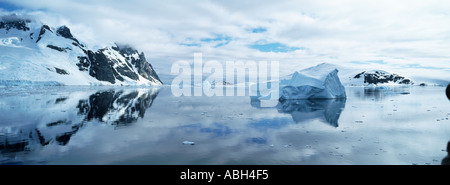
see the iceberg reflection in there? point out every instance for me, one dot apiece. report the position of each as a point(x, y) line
point(328, 110)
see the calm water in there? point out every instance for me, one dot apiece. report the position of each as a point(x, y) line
point(86, 125)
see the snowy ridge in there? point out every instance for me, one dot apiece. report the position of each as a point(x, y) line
point(35, 52)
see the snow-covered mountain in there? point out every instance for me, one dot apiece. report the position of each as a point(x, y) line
point(381, 77)
point(358, 77)
point(35, 53)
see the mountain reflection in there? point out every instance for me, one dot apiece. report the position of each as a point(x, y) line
point(329, 110)
point(379, 93)
point(115, 107)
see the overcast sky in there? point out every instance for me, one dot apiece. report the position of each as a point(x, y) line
point(401, 36)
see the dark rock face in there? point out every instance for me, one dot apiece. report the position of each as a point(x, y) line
point(64, 138)
point(379, 77)
point(359, 74)
point(14, 22)
point(64, 31)
point(20, 25)
point(101, 67)
point(144, 68)
point(43, 28)
point(104, 69)
point(83, 64)
point(61, 71)
point(58, 48)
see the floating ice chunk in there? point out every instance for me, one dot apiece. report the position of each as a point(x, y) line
point(305, 85)
point(188, 143)
point(319, 86)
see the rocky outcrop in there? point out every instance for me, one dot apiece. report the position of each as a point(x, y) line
point(137, 59)
point(381, 77)
point(13, 22)
point(41, 33)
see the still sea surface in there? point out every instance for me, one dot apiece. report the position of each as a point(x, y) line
point(110, 125)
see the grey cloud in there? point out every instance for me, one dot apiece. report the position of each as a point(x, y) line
point(335, 31)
